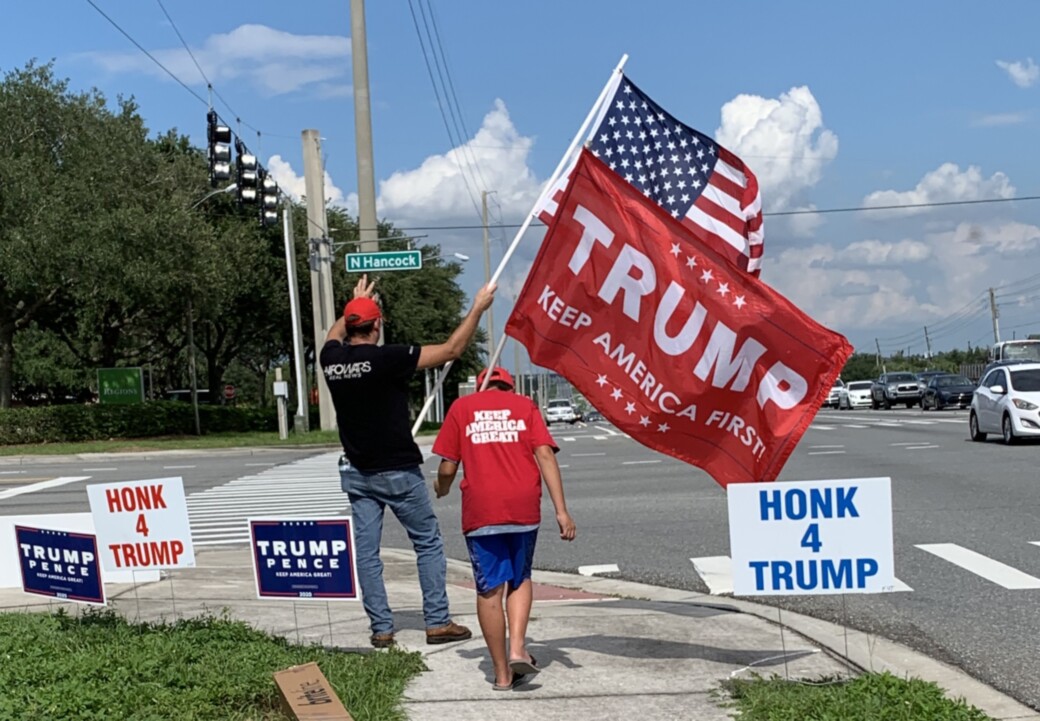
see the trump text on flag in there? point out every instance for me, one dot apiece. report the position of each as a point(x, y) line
point(142, 524)
point(673, 343)
point(812, 537)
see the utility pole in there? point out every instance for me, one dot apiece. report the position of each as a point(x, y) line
point(301, 423)
point(928, 342)
point(321, 265)
point(487, 273)
point(369, 235)
point(995, 313)
point(880, 362)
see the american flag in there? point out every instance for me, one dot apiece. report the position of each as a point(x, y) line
point(696, 180)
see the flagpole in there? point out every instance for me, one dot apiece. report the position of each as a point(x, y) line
point(575, 143)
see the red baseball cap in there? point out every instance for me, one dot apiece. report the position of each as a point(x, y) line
point(497, 374)
point(360, 311)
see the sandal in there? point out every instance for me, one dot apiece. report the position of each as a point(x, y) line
point(518, 679)
point(527, 668)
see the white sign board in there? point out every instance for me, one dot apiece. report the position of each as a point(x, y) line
point(142, 525)
point(811, 537)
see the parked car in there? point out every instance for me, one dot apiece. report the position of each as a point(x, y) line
point(947, 390)
point(855, 395)
point(594, 417)
point(894, 388)
point(560, 410)
point(1007, 402)
point(834, 396)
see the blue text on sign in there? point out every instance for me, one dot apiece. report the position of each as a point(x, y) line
point(810, 574)
point(795, 504)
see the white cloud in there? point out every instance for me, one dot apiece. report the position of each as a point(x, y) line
point(1000, 119)
point(944, 184)
point(785, 144)
point(282, 172)
point(273, 61)
point(1023, 73)
point(438, 190)
point(877, 288)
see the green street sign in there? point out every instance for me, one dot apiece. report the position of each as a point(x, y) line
point(120, 385)
point(390, 260)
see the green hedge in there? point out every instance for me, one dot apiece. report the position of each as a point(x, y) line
point(59, 424)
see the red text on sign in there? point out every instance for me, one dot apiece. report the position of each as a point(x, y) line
point(151, 553)
point(138, 498)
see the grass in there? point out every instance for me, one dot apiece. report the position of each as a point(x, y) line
point(179, 443)
point(870, 697)
point(98, 667)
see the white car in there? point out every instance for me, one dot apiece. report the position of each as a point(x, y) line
point(560, 411)
point(834, 397)
point(855, 395)
point(1007, 402)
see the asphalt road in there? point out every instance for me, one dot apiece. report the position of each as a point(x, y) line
point(648, 516)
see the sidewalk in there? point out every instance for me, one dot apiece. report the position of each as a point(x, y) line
point(609, 649)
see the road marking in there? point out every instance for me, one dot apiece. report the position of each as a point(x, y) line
point(101, 469)
point(822, 428)
point(637, 463)
point(42, 485)
point(170, 468)
point(565, 465)
point(851, 425)
point(567, 440)
point(259, 464)
point(599, 438)
point(831, 446)
point(920, 448)
point(984, 566)
point(580, 455)
point(886, 424)
point(717, 574)
point(912, 443)
point(826, 453)
point(608, 431)
point(601, 568)
point(7, 473)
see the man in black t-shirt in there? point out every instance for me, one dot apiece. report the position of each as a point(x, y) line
point(369, 387)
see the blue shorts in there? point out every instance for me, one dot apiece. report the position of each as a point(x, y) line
point(501, 558)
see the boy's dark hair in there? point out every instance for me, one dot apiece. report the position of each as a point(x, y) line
point(360, 330)
point(499, 385)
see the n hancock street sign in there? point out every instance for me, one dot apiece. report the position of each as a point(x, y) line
point(388, 260)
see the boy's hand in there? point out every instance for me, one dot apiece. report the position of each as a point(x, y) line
point(441, 489)
point(567, 529)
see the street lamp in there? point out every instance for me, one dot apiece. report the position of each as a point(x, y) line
point(229, 189)
point(461, 256)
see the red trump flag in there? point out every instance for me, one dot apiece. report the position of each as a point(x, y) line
point(667, 338)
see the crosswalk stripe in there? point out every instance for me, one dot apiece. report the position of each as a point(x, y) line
point(821, 428)
point(717, 574)
point(983, 566)
point(601, 568)
point(308, 487)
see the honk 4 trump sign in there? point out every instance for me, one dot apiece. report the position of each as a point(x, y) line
point(142, 525)
point(812, 537)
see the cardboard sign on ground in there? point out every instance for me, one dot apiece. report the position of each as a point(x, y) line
point(308, 696)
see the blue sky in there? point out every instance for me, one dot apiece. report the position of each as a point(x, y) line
point(832, 105)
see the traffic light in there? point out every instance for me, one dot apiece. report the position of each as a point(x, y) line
point(219, 138)
point(268, 199)
point(246, 175)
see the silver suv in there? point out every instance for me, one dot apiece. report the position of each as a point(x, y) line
point(892, 388)
point(560, 410)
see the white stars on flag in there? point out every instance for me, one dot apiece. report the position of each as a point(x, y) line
point(739, 301)
point(722, 289)
point(630, 408)
point(707, 275)
point(616, 394)
point(644, 421)
point(691, 262)
point(601, 381)
point(663, 428)
point(676, 250)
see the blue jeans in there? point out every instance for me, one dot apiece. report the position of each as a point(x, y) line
point(406, 495)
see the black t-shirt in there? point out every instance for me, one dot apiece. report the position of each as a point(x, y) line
point(369, 386)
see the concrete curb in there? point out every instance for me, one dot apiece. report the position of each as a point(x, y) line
point(865, 651)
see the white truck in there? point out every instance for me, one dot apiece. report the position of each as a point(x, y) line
point(560, 410)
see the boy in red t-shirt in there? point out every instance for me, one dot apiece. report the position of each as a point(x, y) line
point(501, 439)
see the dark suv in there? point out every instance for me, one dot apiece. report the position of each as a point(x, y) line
point(893, 388)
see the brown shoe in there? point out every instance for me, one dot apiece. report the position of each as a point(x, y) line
point(447, 634)
point(383, 640)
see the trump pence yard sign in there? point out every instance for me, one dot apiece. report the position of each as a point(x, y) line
point(811, 537)
point(142, 525)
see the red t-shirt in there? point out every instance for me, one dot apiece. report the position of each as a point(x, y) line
point(493, 434)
